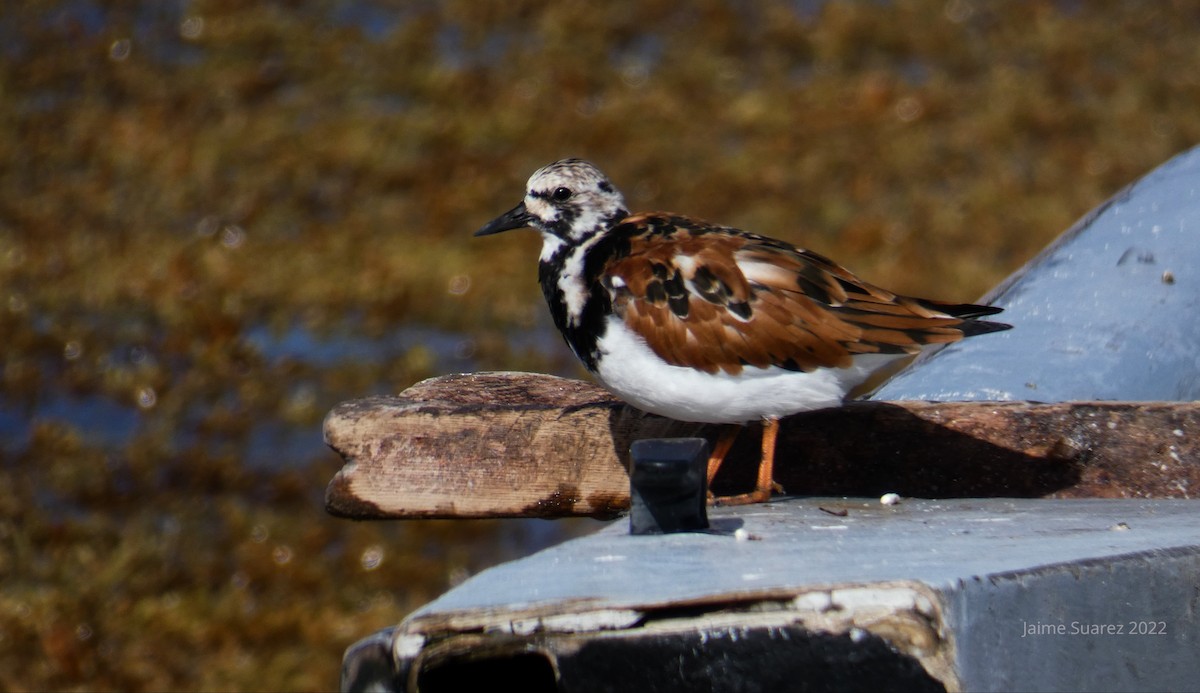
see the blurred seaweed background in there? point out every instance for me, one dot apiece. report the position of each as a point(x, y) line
point(218, 219)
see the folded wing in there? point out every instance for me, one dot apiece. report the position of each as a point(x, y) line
point(718, 299)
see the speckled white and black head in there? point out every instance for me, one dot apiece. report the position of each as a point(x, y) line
point(569, 201)
point(573, 204)
point(707, 323)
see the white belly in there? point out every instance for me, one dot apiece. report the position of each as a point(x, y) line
point(635, 374)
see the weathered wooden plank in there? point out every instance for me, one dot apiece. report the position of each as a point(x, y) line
point(487, 445)
point(527, 445)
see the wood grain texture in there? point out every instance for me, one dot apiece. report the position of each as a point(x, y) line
point(528, 445)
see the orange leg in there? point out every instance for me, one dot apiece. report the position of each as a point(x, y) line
point(766, 469)
point(725, 441)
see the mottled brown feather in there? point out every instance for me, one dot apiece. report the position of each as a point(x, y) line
point(805, 311)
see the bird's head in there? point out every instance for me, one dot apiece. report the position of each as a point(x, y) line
point(569, 200)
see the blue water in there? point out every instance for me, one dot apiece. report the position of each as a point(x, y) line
point(104, 421)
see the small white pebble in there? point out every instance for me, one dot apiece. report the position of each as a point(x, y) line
point(741, 534)
point(1120, 527)
point(1178, 433)
point(890, 498)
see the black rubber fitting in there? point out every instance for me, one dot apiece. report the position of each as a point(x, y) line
point(668, 486)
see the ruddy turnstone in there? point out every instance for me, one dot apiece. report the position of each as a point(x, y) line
point(707, 323)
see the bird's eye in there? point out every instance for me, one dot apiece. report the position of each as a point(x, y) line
point(561, 194)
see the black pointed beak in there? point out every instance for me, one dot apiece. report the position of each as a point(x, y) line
point(515, 218)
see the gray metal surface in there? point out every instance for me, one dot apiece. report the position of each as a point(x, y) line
point(795, 545)
point(1108, 311)
point(986, 594)
point(1127, 623)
